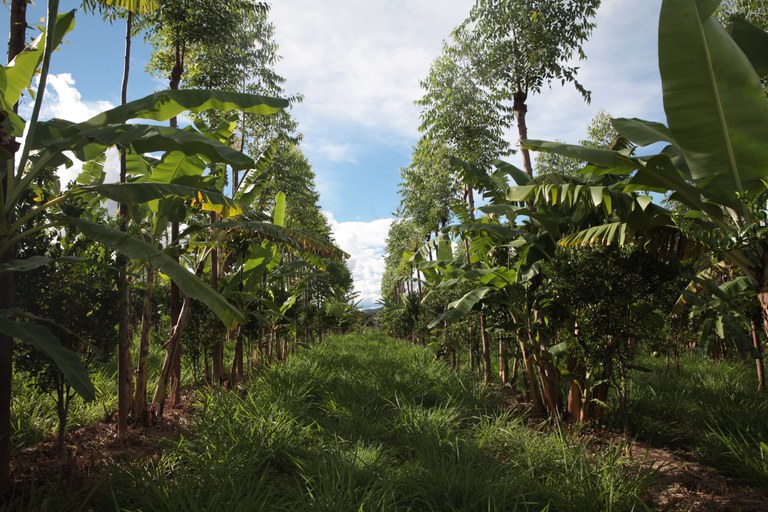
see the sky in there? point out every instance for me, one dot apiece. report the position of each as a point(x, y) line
point(358, 65)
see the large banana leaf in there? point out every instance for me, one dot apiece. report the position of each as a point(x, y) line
point(35, 262)
point(278, 214)
point(23, 67)
point(714, 101)
point(296, 239)
point(175, 165)
point(93, 172)
point(752, 41)
point(42, 338)
point(642, 133)
point(136, 193)
point(600, 157)
point(461, 308)
point(59, 135)
point(134, 248)
point(164, 105)
point(256, 179)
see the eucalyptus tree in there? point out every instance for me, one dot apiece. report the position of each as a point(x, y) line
point(428, 187)
point(521, 46)
point(465, 118)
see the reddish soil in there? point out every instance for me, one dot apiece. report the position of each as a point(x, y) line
point(685, 485)
point(92, 447)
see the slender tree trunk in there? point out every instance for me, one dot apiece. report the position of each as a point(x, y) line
point(18, 28)
point(124, 381)
point(175, 295)
point(176, 307)
point(521, 109)
point(172, 347)
point(503, 361)
point(17, 32)
point(236, 372)
point(142, 375)
point(486, 350)
point(7, 301)
point(63, 399)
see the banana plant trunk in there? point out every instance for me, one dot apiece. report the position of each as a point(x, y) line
point(763, 297)
point(533, 388)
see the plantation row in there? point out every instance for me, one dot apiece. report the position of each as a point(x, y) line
point(359, 422)
point(560, 278)
point(645, 238)
point(217, 260)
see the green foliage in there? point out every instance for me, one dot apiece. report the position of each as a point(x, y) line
point(365, 421)
point(528, 45)
point(707, 407)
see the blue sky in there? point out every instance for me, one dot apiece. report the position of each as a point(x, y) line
point(358, 65)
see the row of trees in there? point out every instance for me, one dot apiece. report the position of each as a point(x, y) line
point(219, 217)
point(574, 268)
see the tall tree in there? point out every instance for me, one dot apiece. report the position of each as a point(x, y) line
point(521, 46)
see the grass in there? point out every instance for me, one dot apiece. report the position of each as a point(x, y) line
point(33, 414)
point(708, 408)
point(364, 422)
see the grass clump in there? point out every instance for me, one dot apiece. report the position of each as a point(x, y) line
point(709, 408)
point(364, 422)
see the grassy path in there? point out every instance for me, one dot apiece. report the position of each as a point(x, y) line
point(363, 422)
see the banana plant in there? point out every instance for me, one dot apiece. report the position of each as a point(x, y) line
point(43, 148)
point(714, 159)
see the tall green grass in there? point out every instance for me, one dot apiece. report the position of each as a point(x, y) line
point(708, 408)
point(364, 422)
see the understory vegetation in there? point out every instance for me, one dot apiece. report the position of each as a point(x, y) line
point(365, 422)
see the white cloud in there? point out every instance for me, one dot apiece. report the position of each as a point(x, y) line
point(361, 62)
point(62, 100)
point(333, 152)
point(365, 242)
point(358, 65)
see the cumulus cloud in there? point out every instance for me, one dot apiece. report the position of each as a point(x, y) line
point(361, 63)
point(365, 242)
point(359, 68)
point(62, 100)
point(334, 152)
